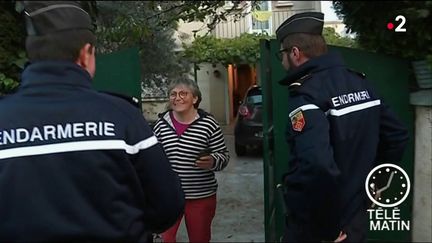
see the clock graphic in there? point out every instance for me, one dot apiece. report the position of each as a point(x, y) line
point(387, 185)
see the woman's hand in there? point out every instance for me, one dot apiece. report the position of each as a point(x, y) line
point(205, 162)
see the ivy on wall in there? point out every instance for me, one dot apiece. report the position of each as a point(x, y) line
point(240, 50)
point(245, 48)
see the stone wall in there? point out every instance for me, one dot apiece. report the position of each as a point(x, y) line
point(422, 206)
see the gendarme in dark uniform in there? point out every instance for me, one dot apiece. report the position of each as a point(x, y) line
point(339, 129)
point(77, 164)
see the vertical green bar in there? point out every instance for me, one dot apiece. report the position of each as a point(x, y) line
point(268, 140)
point(119, 72)
point(280, 119)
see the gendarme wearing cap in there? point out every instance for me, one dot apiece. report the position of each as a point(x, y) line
point(307, 22)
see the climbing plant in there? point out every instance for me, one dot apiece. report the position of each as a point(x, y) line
point(245, 48)
point(240, 50)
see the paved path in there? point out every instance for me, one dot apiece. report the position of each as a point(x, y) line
point(240, 210)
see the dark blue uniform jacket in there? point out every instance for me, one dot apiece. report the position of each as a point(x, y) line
point(339, 129)
point(77, 164)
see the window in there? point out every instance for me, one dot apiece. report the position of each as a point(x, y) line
point(284, 4)
point(259, 25)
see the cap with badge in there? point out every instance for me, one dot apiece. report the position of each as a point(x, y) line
point(307, 22)
point(45, 17)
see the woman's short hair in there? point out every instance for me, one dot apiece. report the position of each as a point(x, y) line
point(190, 84)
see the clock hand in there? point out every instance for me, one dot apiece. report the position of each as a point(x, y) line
point(388, 183)
point(378, 193)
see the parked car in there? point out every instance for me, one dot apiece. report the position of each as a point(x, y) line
point(248, 130)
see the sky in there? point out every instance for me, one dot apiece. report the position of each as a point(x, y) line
point(327, 9)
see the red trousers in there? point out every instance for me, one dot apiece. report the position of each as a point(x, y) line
point(198, 214)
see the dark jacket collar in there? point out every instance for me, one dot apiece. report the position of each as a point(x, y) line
point(201, 113)
point(55, 73)
point(165, 117)
point(316, 64)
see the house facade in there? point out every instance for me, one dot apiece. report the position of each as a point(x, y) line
point(226, 90)
point(278, 12)
point(222, 87)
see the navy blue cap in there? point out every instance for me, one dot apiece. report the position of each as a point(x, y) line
point(307, 22)
point(44, 17)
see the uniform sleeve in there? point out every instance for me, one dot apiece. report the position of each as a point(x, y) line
point(219, 149)
point(164, 198)
point(311, 184)
point(393, 137)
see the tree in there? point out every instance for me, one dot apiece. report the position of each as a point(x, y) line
point(333, 38)
point(127, 23)
point(146, 24)
point(12, 55)
point(150, 25)
point(369, 21)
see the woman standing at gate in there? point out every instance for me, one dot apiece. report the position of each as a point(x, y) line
point(195, 146)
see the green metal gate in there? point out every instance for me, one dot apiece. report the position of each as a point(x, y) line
point(391, 77)
point(119, 72)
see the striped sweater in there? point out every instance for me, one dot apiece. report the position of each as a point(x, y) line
point(183, 150)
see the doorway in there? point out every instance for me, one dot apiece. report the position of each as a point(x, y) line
point(241, 77)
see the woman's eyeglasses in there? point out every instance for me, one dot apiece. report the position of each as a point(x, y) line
point(181, 94)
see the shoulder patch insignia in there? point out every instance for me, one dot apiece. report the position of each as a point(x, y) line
point(298, 121)
point(294, 85)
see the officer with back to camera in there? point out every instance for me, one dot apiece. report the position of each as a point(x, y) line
point(76, 164)
point(339, 129)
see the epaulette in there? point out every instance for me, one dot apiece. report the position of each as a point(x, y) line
point(360, 74)
point(299, 82)
point(132, 100)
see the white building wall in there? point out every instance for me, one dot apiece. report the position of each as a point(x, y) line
point(219, 94)
point(203, 80)
point(186, 31)
point(214, 90)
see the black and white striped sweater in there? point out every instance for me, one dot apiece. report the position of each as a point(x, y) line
point(183, 150)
